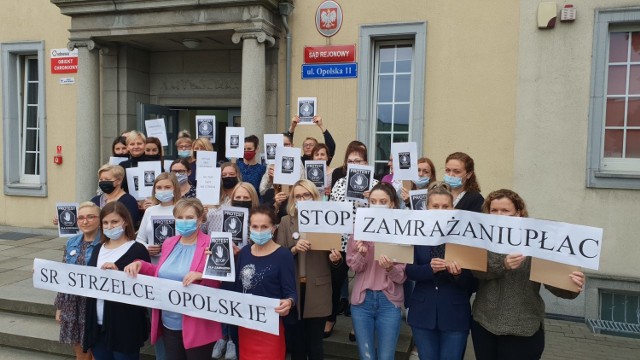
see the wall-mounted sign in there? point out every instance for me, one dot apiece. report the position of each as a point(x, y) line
point(64, 61)
point(330, 54)
point(330, 71)
point(329, 18)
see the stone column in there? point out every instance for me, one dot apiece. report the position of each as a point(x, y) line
point(87, 118)
point(253, 99)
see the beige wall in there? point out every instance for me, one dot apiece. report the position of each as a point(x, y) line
point(554, 79)
point(60, 106)
point(470, 80)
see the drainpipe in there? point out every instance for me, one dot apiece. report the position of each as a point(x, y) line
point(286, 8)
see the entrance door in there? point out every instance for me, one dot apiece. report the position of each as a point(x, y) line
point(170, 116)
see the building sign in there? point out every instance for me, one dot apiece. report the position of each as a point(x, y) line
point(330, 71)
point(330, 54)
point(64, 61)
point(328, 18)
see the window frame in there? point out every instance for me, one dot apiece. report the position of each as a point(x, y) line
point(13, 62)
point(604, 172)
point(370, 37)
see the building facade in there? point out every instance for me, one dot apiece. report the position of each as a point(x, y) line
point(550, 113)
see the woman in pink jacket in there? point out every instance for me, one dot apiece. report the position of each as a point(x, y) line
point(183, 258)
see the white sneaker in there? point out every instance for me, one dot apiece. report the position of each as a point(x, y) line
point(414, 355)
point(218, 348)
point(231, 351)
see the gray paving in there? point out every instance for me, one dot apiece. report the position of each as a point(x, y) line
point(8, 353)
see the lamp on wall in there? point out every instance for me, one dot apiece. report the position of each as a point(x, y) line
point(191, 43)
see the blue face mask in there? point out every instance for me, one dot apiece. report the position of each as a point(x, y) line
point(186, 227)
point(453, 181)
point(164, 196)
point(184, 153)
point(114, 233)
point(182, 178)
point(422, 181)
point(260, 237)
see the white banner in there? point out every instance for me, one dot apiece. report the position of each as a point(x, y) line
point(250, 311)
point(577, 245)
point(334, 217)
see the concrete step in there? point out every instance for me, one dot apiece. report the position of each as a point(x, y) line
point(9, 353)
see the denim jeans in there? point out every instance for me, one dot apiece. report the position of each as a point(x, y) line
point(376, 316)
point(161, 353)
point(101, 351)
point(440, 345)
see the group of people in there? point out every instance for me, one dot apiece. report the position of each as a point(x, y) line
point(506, 319)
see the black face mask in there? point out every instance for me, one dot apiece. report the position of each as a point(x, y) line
point(107, 187)
point(243, 204)
point(229, 182)
point(154, 157)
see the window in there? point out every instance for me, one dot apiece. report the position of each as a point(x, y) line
point(391, 88)
point(23, 114)
point(614, 129)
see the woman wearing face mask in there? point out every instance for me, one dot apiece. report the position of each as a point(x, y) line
point(183, 259)
point(153, 149)
point(182, 169)
point(440, 313)
point(460, 174)
point(313, 272)
point(115, 330)
point(70, 308)
point(110, 179)
point(265, 269)
point(508, 312)
point(200, 144)
point(426, 176)
point(184, 145)
point(377, 294)
point(165, 193)
point(250, 167)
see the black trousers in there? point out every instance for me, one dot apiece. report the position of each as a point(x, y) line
point(488, 346)
point(174, 347)
point(305, 337)
point(338, 277)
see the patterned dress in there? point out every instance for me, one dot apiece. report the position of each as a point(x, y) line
point(72, 314)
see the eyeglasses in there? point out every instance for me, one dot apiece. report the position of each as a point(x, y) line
point(308, 145)
point(355, 161)
point(88, 218)
point(179, 172)
point(184, 147)
point(305, 196)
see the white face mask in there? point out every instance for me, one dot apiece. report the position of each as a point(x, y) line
point(379, 206)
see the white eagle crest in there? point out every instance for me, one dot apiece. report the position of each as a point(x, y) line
point(328, 18)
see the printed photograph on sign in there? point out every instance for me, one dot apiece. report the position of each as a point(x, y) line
point(67, 219)
point(405, 161)
point(206, 127)
point(220, 263)
point(307, 109)
point(418, 199)
point(288, 166)
point(315, 172)
point(359, 179)
point(271, 143)
point(164, 227)
point(234, 222)
point(149, 177)
point(234, 145)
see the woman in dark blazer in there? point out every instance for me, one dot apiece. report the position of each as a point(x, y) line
point(440, 313)
point(313, 274)
point(460, 175)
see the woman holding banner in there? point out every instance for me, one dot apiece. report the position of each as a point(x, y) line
point(265, 269)
point(70, 309)
point(183, 259)
point(460, 174)
point(508, 312)
point(115, 330)
point(313, 272)
point(377, 296)
point(440, 315)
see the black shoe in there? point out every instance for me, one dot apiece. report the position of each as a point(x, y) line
point(352, 337)
point(343, 306)
point(347, 310)
point(328, 333)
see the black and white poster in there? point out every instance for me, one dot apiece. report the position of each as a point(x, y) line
point(234, 146)
point(271, 143)
point(418, 199)
point(206, 127)
point(405, 161)
point(359, 180)
point(235, 222)
point(141, 179)
point(164, 227)
point(316, 170)
point(67, 219)
point(220, 265)
point(307, 109)
point(288, 166)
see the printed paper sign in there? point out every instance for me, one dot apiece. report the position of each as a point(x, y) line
point(116, 160)
point(316, 171)
point(271, 143)
point(234, 142)
point(418, 199)
point(359, 180)
point(134, 179)
point(288, 166)
point(149, 170)
point(307, 109)
point(206, 127)
point(164, 227)
point(67, 219)
point(208, 185)
point(220, 264)
point(235, 222)
point(206, 159)
point(549, 240)
point(156, 128)
point(334, 217)
point(405, 161)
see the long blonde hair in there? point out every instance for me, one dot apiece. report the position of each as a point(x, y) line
point(292, 209)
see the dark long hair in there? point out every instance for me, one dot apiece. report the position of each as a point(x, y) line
point(472, 182)
point(122, 211)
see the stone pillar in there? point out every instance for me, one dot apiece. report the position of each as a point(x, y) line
point(87, 118)
point(253, 99)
